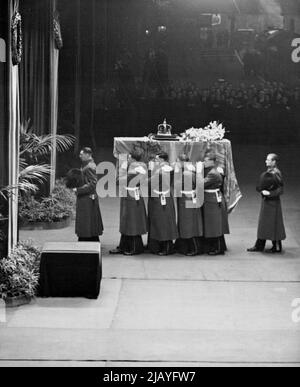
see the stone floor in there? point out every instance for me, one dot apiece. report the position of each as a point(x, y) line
point(174, 311)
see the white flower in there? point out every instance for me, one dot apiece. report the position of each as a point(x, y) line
point(212, 132)
point(167, 168)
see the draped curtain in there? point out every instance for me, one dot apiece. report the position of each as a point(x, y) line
point(35, 66)
point(39, 71)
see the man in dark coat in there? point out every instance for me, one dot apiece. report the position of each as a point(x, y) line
point(161, 208)
point(270, 225)
point(88, 225)
point(214, 208)
point(133, 217)
point(190, 222)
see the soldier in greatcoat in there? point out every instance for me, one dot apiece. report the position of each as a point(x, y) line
point(214, 208)
point(88, 225)
point(270, 224)
point(190, 221)
point(133, 217)
point(161, 208)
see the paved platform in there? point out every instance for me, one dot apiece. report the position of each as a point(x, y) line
point(232, 310)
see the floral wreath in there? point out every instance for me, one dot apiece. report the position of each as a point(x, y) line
point(17, 44)
point(57, 33)
point(212, 132)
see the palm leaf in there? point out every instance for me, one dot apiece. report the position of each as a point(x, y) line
point(11, 190)
point(26, 186)
point(33, 147)
point(22, 164)
point(49, 142)
point(37, 173)
point(44, 145)
point(25, 127)
point(3, 192)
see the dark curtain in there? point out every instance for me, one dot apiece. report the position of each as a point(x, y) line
point(35, 66)
point(3, 101)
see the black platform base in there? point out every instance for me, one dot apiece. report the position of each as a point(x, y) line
point(71, 270)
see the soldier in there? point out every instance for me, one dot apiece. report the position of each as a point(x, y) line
point(190, 222)
point(161, 208)
point(214, 208)
point(88, 225)
point(270, 225)
point(133, 217)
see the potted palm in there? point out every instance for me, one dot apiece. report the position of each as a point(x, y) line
point(55, 210)
point(19, 275)
point(34, 154)
point(35, 151)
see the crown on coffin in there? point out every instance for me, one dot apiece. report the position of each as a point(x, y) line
point(164, 128)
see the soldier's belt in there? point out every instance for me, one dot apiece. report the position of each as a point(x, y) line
point(217, 192)
point(192, 194)
point(188, 192)
point(136, 191)
point(161, 192)
point(162, 195)
point(212, 190)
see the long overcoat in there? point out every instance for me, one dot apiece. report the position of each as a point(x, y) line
point(162, 218)
point(88, 215)
point(133, 216)
point(271, 224)
point(190, 220)
point(214, 213)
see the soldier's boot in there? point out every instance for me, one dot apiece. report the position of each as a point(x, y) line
point(193, 248)
point(276, 248)
point(258, 247)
